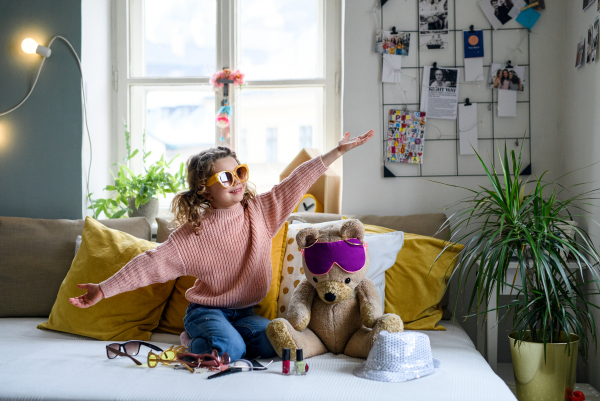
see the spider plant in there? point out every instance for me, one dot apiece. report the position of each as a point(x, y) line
point(529, 221)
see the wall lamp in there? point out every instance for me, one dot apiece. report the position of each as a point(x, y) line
point(30, 46)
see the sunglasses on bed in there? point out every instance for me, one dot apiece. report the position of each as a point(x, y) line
point(130, 348)
point(227, 178)
point(349, 254)
point(210, 361)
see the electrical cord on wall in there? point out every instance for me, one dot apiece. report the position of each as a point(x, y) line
point(84, 106)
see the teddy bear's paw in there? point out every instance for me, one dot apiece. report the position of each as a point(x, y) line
point(391, 323)
point(278, 333)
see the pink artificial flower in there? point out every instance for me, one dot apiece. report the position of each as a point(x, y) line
point(238, 77)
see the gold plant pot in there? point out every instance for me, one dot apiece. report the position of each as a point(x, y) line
point(552, 379)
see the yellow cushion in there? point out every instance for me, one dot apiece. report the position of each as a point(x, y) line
point(268, 306)
point(412, 291)
point(172, 318)
point(127, 316)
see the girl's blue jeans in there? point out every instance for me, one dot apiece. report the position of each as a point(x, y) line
point(238, 332)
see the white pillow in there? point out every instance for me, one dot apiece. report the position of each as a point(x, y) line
point(383, 250)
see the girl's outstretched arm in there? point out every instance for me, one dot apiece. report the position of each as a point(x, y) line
point(279, 202)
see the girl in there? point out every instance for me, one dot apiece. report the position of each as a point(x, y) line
point(224, 240)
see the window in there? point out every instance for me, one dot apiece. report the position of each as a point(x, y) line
point(167, 51)
point(305, 136)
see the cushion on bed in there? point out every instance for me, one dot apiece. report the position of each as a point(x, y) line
point(423, 224)
point(414, 286)
point(36, 255)
point(127, 316)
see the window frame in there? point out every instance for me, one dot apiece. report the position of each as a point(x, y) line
point(227, 11)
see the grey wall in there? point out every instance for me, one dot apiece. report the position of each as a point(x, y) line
point(40, 142)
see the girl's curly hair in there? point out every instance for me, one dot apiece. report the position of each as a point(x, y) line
point(192, 206)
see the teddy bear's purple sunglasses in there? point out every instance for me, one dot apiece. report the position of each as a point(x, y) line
point(349, 254)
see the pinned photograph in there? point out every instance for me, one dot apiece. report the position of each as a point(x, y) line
point(391, 42)
point(590, 44)
point(595, 38)
point(507, 77)
point(580, 50)
point(587, 3)
point(443, 77)
point(499, 12)
point(433, 24)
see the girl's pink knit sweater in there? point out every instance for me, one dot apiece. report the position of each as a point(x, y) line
point(231, 258)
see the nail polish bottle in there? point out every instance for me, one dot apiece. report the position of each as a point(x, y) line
point(285, 365)
point(301, 366)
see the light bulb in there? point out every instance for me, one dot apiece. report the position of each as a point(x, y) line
point(29, 46)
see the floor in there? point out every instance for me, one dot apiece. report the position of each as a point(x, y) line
point(505, 371)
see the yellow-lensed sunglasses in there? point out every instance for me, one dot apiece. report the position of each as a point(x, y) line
point(227, 178)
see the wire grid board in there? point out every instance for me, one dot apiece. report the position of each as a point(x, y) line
point(441, 152)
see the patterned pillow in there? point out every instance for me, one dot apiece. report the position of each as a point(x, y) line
point(383, 250)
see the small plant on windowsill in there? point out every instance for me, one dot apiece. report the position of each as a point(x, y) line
point(137, 195)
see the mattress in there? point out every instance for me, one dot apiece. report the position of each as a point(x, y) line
point(46, 365)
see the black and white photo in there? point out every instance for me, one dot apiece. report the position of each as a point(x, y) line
point(433, 24)
point(499, 12)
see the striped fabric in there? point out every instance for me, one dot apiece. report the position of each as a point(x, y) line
point(231, 256)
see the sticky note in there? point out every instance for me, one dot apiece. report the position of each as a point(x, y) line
point(528, 18)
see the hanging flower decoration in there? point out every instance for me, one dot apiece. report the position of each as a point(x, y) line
point(222, 79)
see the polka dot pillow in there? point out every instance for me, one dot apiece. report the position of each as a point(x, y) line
point(383, 250)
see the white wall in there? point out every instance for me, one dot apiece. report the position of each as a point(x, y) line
point(365, 190)
point(580, 132)
point(96, 58)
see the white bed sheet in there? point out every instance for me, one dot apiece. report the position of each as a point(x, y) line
point(46, 365)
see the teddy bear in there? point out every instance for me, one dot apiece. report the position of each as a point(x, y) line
point(335, 308)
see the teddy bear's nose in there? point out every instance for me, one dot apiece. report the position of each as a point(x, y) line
point(329, 297)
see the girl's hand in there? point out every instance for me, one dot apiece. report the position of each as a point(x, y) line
point(92, 297)
point(345, 144)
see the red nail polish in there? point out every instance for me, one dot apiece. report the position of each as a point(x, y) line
point(285, 355)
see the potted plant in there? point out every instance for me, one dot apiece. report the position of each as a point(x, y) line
point(137, 194)
point(551, 314)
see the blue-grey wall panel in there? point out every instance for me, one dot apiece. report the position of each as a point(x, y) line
point(40, 142)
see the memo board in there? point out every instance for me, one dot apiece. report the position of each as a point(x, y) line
point(442, 156)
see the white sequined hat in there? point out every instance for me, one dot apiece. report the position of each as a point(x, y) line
point(399, 357)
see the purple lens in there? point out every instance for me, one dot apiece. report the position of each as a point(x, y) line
point(321, 256)
point(132, 348)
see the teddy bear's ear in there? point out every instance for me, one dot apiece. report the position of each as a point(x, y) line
point(307, 236)
point(352, 229)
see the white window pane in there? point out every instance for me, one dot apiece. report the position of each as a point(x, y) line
point(175, 38)
point(281, 39)
point(275, 124)
point(177, 121)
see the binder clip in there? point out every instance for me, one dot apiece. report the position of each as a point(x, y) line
point(468, 102)
point(509, 65)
